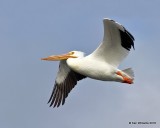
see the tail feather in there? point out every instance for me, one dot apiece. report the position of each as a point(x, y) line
point(129, 72)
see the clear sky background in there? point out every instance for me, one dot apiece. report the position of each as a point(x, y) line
point(32, 29)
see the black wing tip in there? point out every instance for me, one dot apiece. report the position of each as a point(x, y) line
point(54, 104)
point(127, 39)
point(60, 91)
point(58, 96)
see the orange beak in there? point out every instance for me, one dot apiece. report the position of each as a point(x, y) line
point(59, 57)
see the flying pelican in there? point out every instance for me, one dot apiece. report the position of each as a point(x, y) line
point(102, 64)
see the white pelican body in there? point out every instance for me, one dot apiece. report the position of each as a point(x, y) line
point(102, 64)
point(90, 67)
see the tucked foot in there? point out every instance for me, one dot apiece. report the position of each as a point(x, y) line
point(126, 79)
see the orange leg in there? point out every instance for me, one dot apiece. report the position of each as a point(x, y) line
point(125, 78)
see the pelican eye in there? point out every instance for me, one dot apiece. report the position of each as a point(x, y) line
point(71, 53)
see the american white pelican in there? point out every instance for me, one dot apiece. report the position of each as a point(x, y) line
point(102, 64)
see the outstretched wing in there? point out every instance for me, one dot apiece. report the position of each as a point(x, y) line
point(116, 44)
point(65, 81)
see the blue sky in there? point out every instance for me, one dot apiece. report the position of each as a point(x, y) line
point(34, 29)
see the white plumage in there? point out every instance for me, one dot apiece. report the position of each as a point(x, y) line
point(102, 64)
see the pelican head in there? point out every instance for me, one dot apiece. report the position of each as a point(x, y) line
point(72, 54)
